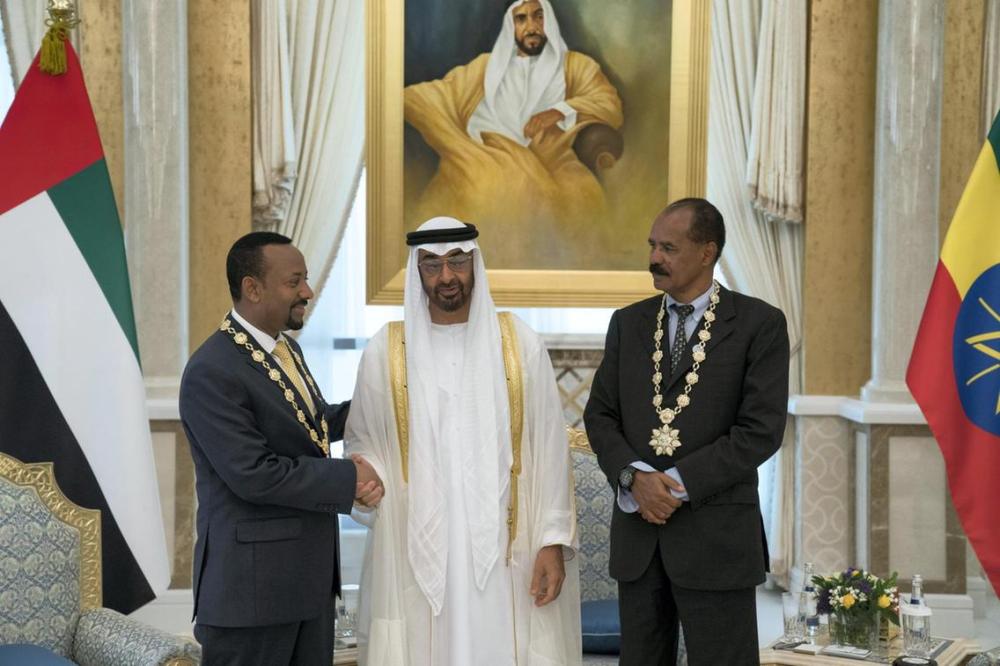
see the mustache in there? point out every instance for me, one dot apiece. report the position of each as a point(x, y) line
point(657, 269)
point(303, 303)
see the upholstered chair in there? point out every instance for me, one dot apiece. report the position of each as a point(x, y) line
point(598, 591)
point(50, 583)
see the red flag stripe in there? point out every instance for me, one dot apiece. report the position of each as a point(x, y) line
point(49, 134)
point(971, 455)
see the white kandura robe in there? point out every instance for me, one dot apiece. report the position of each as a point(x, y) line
point(396, 626)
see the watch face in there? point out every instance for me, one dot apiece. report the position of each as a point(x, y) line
point(625, 478)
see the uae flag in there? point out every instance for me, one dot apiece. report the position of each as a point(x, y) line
point(71, 389)
point(954, 371)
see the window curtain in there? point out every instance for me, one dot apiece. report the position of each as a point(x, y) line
point(991, 64)
point(308, 124)
point(756, 86)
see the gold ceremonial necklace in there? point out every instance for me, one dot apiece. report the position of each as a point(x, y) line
point(665, 440)
point(274, 374)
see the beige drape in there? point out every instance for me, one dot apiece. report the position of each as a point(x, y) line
point(775, 164)
point(308, 75)
point(763, 254)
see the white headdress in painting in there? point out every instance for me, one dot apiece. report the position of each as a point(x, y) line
point(509, 102)
point(484, 433)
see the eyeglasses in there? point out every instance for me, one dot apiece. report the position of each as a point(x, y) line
point(458, 263)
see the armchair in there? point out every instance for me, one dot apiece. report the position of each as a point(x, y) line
point(50, 583)
point(598, 591)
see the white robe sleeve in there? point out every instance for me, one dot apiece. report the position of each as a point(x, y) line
point(371, 432)
point(551, 473)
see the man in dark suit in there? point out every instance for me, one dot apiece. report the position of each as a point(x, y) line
point(266, 565)
point(690, 398)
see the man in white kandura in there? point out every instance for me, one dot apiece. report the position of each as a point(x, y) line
point(470, 558)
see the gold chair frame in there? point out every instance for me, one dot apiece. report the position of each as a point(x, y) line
point(87, 522)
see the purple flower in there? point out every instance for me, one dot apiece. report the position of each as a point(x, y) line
point(823, 601)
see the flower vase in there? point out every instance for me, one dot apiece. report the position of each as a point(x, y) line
point(859, 630)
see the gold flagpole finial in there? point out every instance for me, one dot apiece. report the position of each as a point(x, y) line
point(62, 18)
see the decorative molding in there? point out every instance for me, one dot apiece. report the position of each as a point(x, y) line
point(855, 410)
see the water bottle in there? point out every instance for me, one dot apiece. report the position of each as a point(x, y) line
point(807, 603)
point(915, 618)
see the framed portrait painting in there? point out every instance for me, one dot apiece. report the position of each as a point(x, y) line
point(558, 127)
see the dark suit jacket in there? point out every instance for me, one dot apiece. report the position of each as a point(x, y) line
point(735, 421)
point(267, 549)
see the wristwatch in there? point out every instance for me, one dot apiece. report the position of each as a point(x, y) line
point(626, 477)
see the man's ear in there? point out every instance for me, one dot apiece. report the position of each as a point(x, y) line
point(251, 288)
point(710, 253)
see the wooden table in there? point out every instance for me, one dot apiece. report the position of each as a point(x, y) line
point(954, 655)
point(345, 656)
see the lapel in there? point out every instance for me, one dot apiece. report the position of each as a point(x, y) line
point(648, 327)
point(270, 384)
point(724, 324)
point(317, 398)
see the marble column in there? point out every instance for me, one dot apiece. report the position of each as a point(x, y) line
point(154, 82)
point(907, 175)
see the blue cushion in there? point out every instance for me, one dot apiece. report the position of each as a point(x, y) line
point(602, 632)
point(30, 655)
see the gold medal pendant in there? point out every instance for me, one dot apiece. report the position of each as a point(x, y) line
point(665, 440)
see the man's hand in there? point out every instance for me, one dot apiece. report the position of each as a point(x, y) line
point(369, 490)
point(652, 491)
point(548, 575)
point(540, 122)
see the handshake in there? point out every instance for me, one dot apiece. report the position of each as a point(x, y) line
point(369, 490)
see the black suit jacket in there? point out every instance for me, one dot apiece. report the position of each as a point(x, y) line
point(735, 421)
point(267, 548)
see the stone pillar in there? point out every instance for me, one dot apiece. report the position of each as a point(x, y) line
point(154, 81)
point(907, 178)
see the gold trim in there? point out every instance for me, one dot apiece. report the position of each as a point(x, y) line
point(578, 440)
point(515, 398)
point(400, 394)
point(41, 478)
point(385, 253)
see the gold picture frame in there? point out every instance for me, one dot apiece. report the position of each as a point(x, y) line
point(386, 252)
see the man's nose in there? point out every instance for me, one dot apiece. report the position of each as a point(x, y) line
point(447, 274)
point(306, 292)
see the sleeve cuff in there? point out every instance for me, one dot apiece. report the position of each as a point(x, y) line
point(569, 116)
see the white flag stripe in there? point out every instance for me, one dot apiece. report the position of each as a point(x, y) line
point(91, 370)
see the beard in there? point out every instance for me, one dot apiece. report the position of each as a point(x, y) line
point(454, 302)
point(532, 50)
point(294, 322)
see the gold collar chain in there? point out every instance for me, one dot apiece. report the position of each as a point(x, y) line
point(274, 374)
point(665, 440)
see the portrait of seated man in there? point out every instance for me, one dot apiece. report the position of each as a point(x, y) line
point(504, 126)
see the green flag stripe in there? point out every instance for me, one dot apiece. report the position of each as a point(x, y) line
point(87, 206)
point(994, 138)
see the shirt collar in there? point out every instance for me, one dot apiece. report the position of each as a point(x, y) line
point(266, 342)
point(699, 303)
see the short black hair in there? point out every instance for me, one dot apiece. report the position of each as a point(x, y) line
point(245, 258)
point(707, 224)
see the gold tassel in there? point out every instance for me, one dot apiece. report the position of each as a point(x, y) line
point(62, 19)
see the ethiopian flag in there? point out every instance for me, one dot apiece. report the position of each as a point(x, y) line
point(71, 390)
point(954, 371)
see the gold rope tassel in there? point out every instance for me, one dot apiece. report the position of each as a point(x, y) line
point(62, 19)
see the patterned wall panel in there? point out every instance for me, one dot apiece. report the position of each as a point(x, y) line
point(823, 489)
point(574, 370)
